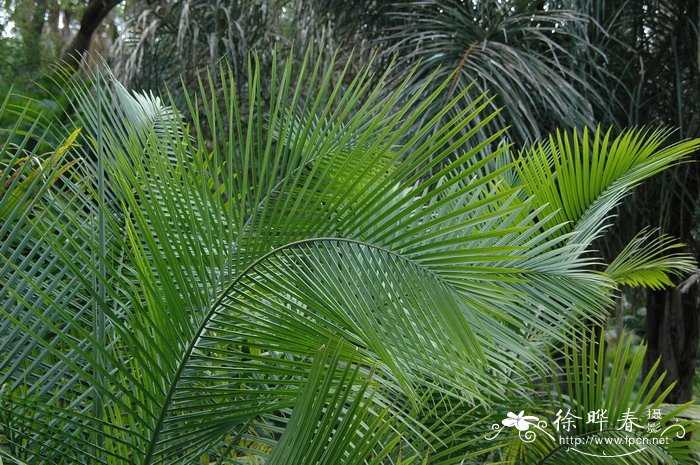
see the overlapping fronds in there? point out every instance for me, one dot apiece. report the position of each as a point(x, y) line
point(527, 55)
point(594, 417)
point(270, 274)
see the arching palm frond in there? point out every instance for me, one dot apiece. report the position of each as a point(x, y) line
point(579, 179)
point(650, 260)
point(306, 284)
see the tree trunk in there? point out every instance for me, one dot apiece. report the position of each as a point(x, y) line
point(92, 17)
point(31, 35)
point(672, 334)
point(672, 315)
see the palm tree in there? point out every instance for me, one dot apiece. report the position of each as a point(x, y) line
point(530, 55)
point(565, 64)
point(317, 285)
point(165, 42)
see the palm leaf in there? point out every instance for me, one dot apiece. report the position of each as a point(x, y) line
point(580, 178)
point(191, 272)
point(649, 260)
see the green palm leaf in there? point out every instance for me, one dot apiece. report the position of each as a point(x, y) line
point(188, 273)
point(580, 178)
point(584, 388)
point(649, 260)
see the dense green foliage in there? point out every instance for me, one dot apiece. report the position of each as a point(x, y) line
point(368, 251)
point(303, 280)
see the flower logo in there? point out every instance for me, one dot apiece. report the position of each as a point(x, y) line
point(521, 421)
point(525, 424)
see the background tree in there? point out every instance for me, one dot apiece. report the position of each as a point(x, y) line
point(37, 35)
point(92, 16)
point(529, 54)
point(165, 42)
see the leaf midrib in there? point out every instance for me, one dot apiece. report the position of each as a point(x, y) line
point(151, 450)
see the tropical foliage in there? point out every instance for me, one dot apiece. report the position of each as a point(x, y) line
point(529, 55)
point(303, 280)
point(600, 410)
point(655, 45)
point(532, 57)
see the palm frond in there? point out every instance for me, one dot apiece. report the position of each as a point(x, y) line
point(528, 56)
point(188, 272)
point(614, 416)
point(580, 178)
point(649, 260)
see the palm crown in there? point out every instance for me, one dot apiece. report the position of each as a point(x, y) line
point(313, 283)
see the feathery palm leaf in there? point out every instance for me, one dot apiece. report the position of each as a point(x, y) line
point(606, 411)
point(578, 178)
point(530, 56)
point(186, 275)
